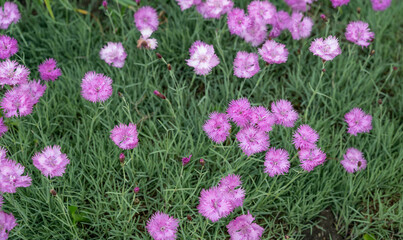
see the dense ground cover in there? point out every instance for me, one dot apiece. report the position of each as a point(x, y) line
point(366, 202)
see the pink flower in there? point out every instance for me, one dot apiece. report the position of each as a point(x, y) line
point(326, 49)
point(202, 58)
point(353, 160)
point(310, 158)
point(261, 118)
point(300, 26)
point(276, 162)
point(49, 70)
point(186, 160)
point(146, 17)
point(252, 140)
point(284, 113)
point(358, 121)
point(238, 111)
point(246, 65)
point(161, 226)
point(9, 14)
point(380, 5)
point(185, 4)
point(242, 228)
point(280, 22)
point(299, 5)
point(237, 21)
point(10, 175)
point(96, 87)
point(17, 102)
point(34, 89)
point(7, 223)
point(51, 161)
point(8, 46)
point(262, 11)
point(305, 137)
point(3, 127)
point(273, 52)
point(217, 127)
point(125, 136)
point(359, 33)
point(228, 188)
point(212, 205)
point(113, 54)
point(256, 33)
point(11, 73)
point(160, 95)
point(214, 8)
point(338, 3)
point(1, 201)
point(136, 190)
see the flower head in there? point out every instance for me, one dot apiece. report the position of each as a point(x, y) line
point(238, 111)
point(11, 175)
point(284, 113)
point(146, 18)
point(246, 65)
point(186, 160)
point(310, 158)
point(243, 228)
point(327, 49)
point(1, 201)
point(358, 121)
point(213, 205)
point(217, 127)
point(125, 136)
point(338, 3)
point(252, 140)
point(359, 33)
point(262, 11)
point(11, 73)
point(261, 118)
point(256, 33)
point(214, 8)
point(380, 5)
point(237, 21)
point(305, 137)
point(113, 54)
point(96, 87)
point(18, 102)
point(353, 160)
point(51, 161)
point(34, 89)
point(202, 58)
point(3, 127)
point(7, 223)
point(8, 46)
point(9, 13)
point(280, 22)
point(276, 162)
point(299, 5)
point(161, 226)
point(273, 52)
point(228, 187)
point(300, 26)
point(185, 4)
point(49, 70)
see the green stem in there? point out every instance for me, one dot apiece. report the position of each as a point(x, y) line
point(314, 93)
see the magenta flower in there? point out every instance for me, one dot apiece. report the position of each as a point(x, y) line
point(246, 65)
point(214, 8)
point(380, 5)
point(11, 175)
point(51, 161)
point(276, 162)
point(273, 52)
point(338, 3)
point(280, 22)
point(353, 160)
point(213, 205)
point(238, 111)
point(299, 5)
point(125, 136)
point(217, 127)
point(358, 121)
point(9, 13)
point(113, 54)
point(146, 18)
point(262, 118)
point(186, 160)
point(243, 228)
point(17, 102)
point(237, 21)
point(202, 58)
point(136, 190)
point(252, 140)
point(359, 33)
point(161, 226)
point(8, 46)
point(326, 49)
point(7, 223)
point(284, 113)
point(34, 89)
point(3, 127)
point(256, 33)
point(185, 4)
point(228, 187)
point(11, 73)
point(262, 11)
point(305, 137)
point(310, 158)
point(96, 87)
point(300, 26)
point(49, 70)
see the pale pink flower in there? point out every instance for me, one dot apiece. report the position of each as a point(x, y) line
point(300, 26)
point(9, 13)
point(17, 102)
point(252, 140)
point(353, 160)
point(8, 46)
point(276, 162)
point(96, 87)
point(358, 121)
point(262, 11)
point(146, 17)
point(217, 127)
point(284, 113)
point(230, 188)
point(34, 88)
point(113, 54)
point(338, 3)
point(380, 5)
point(246, 65)
point(161, 226)
point(11, 175)
point(262, 118)
point(299, 5)
point(305, 137)
point(51, 161)
point(3, 127)
point(7, 223)
point(214, 8)
point(125, 136)
point(11, 73)
point(237, 21)
point(273, 52)
point(243, 228)
point(359, 33)
point(49, 70)
point(185, 4)
point(212, 205)
point(280, 22)
point(238, 111)
point(310, 158)
point(202, 58)
point(256, 33)
point(327, 49)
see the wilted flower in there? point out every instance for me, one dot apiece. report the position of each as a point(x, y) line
point(353, 160)
point(284, 113)
point(217, 127)
point(8, 46)
point(326, 49)
point(96, 87)
point(49, 71)
point(242, 228)
point(246, 65)
point(359, 33)
point(136, 190)
point(125, 136)
point(276, 162)
point(51, 161)
point(358, 121)
point(273, 52)
point(202, 58)
point(162, 227)
point(113, 54)
point(158, 94)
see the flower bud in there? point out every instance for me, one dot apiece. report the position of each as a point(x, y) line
point(169, 67)
point(158, 94)
point(202, 161)
point(158, 55)
point(105, 4)
point(136, 190)
point(53, 192)
point(122, 158)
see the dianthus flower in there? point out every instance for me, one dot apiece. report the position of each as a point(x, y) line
point(300, 26)
point(10, 175)
point(262, 11)
point(1, 201)
point(256, 33)
point(11, 73)
point(228, 187)
point(8, 46)
point(359, 33)
point(380, 5)
point(262, 118)
point(214, 8)
point(146, 17)
point(51, 161)
point(186, 160)
point(252, 140)
point(276, 162)
point(338, 3)
point(147, 43)
point(213, 205)
point(96, 87)
point(238, 111)
point(34, 88)
point(17, 102)
point(353, 160)
point(305, 137)
point(125, 136)
point(113, 54)
point(161, 226)
point(185, 4)
point(246, 65)
point(310, 158)
point(7, 223)
point(217, 127)
point(299, 5)
point(49, 70)
point(284, 113)
point(326, 49)
point(9, 13)
point(280, 22)
point(202, 58)
point(243, 228)
point(237, 21)
point(3, 127)
point(273, 52)
point(358, 121)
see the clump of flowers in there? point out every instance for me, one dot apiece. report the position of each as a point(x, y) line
point(338, 3)
point(246, 65)
point(276, 162)
point(327, 48)
point(252, 140)
point(358, 121)
point(146, 18)
point(262, 11)
point(214, 8)
point(359, 33)
point(217, 127)
point(380, 5)
point(237, 21)
point(185, 4)
point(305, 137)
point(284, 113)
point(3, 127)
point(125, 136)
point(7, 223)
point(161, 226)
point(8, 46)
point(9, 13)
point(300, 26)
point(96, 87)
point(202, 58)
point(280, 22)
point(353, 160)
point(51, 161)
point(273, 52)
point(243, 227)
point(310, 158)
point(49, 70)
point(12, 73)
point(11, 174)
point(113, 54)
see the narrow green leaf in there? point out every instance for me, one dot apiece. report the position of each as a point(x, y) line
point(368, 237)
point(47, 3)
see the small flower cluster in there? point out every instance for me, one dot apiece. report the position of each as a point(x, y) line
point(9, 13)
point(146, 20)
